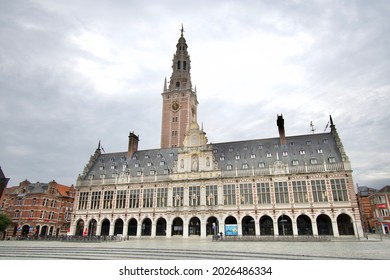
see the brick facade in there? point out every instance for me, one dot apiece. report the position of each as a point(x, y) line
point(39, 209)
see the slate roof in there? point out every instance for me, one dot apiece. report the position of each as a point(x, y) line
point(160, 161)
point(37, 188)
point(308, 149)
point(385, 189)
point(261, 153)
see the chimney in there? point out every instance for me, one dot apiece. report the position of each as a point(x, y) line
point(133, 144)
point(282, 135)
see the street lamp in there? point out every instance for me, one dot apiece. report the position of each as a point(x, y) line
point(283, 221)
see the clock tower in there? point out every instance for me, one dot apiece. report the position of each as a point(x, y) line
point(180, 103)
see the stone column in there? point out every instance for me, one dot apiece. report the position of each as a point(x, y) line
point(239, 225)
point(139, 229)
point(98, 229)
point(314, 228)
point(203, 229)
point(257, 227)
point(111, 231)
point(153, 230)
point(72, 229)
point(221, 226)
point(276, 229)
point(335, 229)
point(185, 229)
point(125, 228)
point(169, 229)
point(294, 227)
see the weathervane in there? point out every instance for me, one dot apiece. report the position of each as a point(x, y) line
point(312, 129)
point(182, 30)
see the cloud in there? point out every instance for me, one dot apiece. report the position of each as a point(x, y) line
point(76, 72)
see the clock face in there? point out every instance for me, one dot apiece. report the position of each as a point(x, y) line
point(175, 106)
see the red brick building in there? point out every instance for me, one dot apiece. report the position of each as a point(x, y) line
point(38, 209)
point(366, 213)
point(380, 205)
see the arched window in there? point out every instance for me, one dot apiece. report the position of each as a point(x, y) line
point(184, 65)
point(178, 65)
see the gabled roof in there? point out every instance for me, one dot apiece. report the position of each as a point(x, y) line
point(144, 161)
point(63, 190)
point(385, 189)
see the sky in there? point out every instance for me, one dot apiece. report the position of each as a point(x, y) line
point(73, 73)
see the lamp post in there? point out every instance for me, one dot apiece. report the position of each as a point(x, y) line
point(283, 221)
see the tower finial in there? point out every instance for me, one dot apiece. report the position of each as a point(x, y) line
point(332, 126)
point(182, 30)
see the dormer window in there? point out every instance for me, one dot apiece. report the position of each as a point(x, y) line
point(313, 161)
point(171, 154)
point(152, 172)
point(302, 152)
point(245, 148)
point(261, 164)
point(215, 151)
point(285, 153)
point(269, 155)
point(149, 163)
point(253, 156)
point(222, 158)
point(260, 146)
point(230, 149)
point(332, 160)
point(276, 145)
point(135, 156)
point(229, 167)
point(325, 141)
point(101, 167)
point(146, 156)
point(245, 166)
point(166, 171)
point(237, 156)
point(136, 164)
point(162, 162)
point(319, 150)
point(112, 159)
point(113, 166)
point(308, 142)
point(295, 162)
point(139, 173)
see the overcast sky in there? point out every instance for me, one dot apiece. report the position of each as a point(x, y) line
point(76, 72)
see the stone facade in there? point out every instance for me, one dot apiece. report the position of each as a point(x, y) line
point(288, 185)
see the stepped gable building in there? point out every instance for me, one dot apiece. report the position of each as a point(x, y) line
point(3, 184)
point(286, 185)
point(39, 209)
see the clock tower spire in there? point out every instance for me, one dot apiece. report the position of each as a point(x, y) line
point(180, 103)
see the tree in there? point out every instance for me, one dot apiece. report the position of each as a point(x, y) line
point(5, 222)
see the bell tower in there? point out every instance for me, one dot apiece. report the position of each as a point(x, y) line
point(180, 104)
